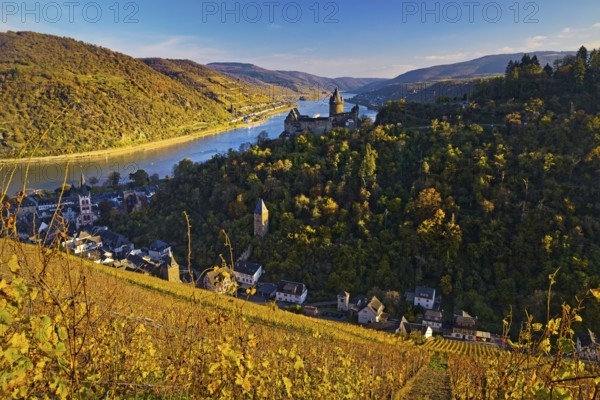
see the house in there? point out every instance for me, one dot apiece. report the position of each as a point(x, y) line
point(372, 312)
point(587, 346)
point(407, 328)
point(424, 297)
point(218, 280)
point(84, 242)
point(311, 311)
point(464, 320)
point(351, 303)
point(291, 292)
point(471, 335)
point(248, 273)
point(433, 319)
point(267, 290)
point(158, 251)
point(116, 243)
point(137, 263)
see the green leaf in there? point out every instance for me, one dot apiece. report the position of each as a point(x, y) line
point(60, 349)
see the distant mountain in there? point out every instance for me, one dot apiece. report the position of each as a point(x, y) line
point(219, 87)
point(452, 80)
point(101, 99)
point(300, 82)
point(483, 66)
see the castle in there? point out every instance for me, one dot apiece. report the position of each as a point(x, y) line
point(297, 123)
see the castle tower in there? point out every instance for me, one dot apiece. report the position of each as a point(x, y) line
point(170, 269)
point(261, 219)
point(336, 103)
point(343, 301)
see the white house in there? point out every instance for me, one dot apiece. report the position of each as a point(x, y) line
point(291, 292)
point(158, 251)
point(248, 273)
point(84, 242)
point(372, 312)
point(424, 297)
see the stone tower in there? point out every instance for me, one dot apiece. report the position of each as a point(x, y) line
point(170, 269)
point(261, 219)
point(86, 216)
point(336, 103)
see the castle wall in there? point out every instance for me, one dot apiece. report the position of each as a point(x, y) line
point(317, 126)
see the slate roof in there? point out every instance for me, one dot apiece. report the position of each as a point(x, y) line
point(260, 207)
point(432, 315)
point(292, 288)
point(425, 292)
point(159, 246)
point(246, 267)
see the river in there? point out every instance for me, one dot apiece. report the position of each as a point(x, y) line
point(50, 174)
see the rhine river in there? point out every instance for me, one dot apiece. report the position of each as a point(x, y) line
point(50, 174)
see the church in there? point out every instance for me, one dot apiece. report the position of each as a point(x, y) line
point(297, 123)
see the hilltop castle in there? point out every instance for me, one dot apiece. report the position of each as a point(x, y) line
point(296, 123)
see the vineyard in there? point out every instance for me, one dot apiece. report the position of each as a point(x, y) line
point(72, 329)
point(461, 347)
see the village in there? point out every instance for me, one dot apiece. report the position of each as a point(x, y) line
point(69, 217)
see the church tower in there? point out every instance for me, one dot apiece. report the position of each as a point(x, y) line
point(86, 217)
point(336, 103)
point(261, 219)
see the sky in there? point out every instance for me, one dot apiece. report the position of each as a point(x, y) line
point(367, 38)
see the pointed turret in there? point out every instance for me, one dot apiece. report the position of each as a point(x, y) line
point(336, 103)
point(261, 219)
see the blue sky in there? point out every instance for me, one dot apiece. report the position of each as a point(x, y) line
point(368, 38)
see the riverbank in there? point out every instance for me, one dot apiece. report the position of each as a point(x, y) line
point(153, 145)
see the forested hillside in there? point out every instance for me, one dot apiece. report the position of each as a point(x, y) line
point(482, 202)
point(97, 98)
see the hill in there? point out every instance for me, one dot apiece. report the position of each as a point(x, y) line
point(482, 201)
point(95, 98)
point(483, 66)
point(222, 88)
point(453, 80)
point(75, 329)
point(299, 82)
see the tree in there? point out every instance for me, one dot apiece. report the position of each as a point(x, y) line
point(113, 179)
point(582, 54)
point(140, 178)
point(368, 166)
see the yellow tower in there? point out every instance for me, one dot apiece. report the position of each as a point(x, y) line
point(261, 219)
point(336, 103)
